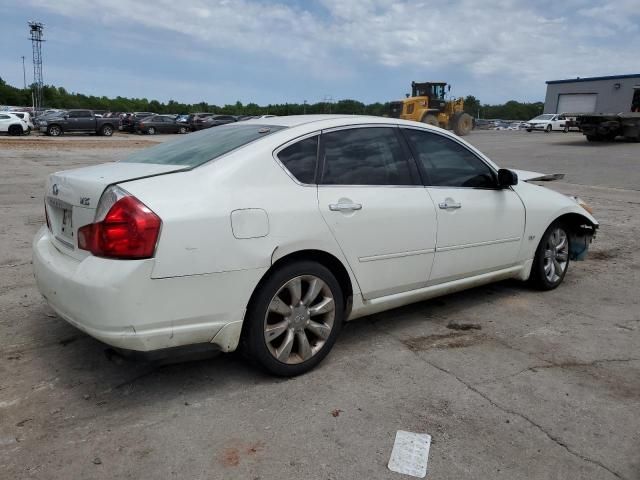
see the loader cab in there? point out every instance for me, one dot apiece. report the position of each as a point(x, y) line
point(434, 91)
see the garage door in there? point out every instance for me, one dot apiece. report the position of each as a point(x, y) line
point(577, 103)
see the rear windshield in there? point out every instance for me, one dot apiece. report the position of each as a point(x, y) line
point(198, 148)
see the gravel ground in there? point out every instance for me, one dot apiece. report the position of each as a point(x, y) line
point(538, 385)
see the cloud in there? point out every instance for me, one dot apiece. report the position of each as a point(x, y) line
point(338, 41)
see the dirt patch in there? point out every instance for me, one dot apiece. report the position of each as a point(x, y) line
point(463, 326)
point(603, 254)
point(232, 455)
point(45, 143)
point(448, 340)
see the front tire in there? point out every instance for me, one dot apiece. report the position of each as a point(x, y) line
point(462, 124)
point(430, 120)
point(294, 318)
point(548, 129)
point(54, 131)
point(551, 261)
point(151, 131)
point(182, 130)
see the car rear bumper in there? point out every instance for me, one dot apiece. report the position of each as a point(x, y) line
point(117, 302)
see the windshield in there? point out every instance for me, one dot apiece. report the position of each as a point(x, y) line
point(201, 147)
point(544, 117)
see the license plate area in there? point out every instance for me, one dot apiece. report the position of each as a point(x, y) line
point(61, 219)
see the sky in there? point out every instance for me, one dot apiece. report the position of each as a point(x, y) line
point(277, 51)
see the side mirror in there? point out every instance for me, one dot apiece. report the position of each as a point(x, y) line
point(506, 178)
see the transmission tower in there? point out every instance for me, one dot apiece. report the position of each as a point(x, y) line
point(35, 28)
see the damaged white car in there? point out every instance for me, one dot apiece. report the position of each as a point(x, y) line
point(270, 233)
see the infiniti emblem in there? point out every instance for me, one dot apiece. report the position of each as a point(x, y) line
point(54, 189)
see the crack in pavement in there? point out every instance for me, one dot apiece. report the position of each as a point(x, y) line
point(551, 437)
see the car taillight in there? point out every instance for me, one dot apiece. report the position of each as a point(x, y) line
point(128, 230)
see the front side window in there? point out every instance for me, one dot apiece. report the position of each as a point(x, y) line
point(300, 159)
point(446, 163)
point(364, 156)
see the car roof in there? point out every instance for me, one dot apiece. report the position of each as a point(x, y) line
point(331, 121)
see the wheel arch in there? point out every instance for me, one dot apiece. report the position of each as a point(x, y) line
point(582, 230)
point(324, 258)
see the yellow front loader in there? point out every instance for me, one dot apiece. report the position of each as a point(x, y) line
point(427, 104)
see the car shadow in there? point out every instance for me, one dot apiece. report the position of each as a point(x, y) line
point(92, 370)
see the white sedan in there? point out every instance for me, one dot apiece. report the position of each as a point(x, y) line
point(12, 124)
point(270, 233)
point(547, 123)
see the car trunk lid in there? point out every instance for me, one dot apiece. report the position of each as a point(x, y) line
point(72, 196)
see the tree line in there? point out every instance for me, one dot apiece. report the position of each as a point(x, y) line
point(59, 97)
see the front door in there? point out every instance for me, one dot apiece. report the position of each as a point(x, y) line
point(383, 220)
point(480, 227)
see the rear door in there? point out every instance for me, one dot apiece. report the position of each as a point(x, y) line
point(480, 226)
point(84, 121)
point(381, 216)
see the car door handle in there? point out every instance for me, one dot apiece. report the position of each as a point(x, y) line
point(448, 205)
point(345, 207)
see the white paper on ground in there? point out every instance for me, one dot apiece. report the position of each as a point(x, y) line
point(410, 453)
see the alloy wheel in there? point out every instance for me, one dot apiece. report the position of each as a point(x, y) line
point(299, 319)
point(556, 255)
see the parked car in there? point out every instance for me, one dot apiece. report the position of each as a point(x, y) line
point(244, 233)
point(160, 124)
point(12, 124)
point(217, 120)
point(196, 120)
point(83, 121)
point(128, 121)
point(26, 116)
point(546, 123)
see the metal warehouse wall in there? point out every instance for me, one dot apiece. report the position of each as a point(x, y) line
point(610, 99)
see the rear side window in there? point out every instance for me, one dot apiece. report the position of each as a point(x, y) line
point(300, 159)
point(201, 147)
point(364, 156)
point(446, 163)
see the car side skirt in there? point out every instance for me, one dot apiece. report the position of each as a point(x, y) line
point(362, 307)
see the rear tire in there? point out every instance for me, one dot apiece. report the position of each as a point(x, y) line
point(182, 130)
point(462, 124)
point(294, 318)
point(106, 131)
point(528, 130)
point(551, 261)
point(54, 131)
point(15, 130)
point(151, 131)
point(430, 120)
